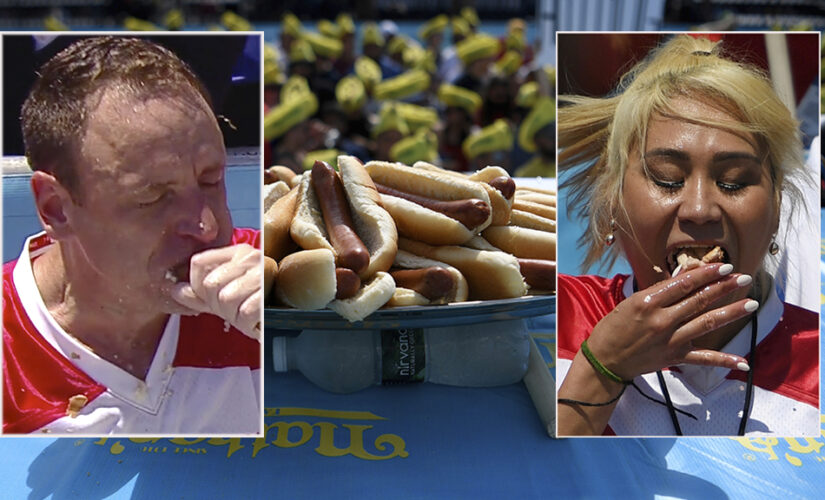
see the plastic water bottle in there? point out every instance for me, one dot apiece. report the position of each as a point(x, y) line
point(484, 355)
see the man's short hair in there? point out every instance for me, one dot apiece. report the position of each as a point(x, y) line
point(55, 113)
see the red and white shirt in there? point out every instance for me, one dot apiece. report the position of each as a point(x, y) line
point(203, 380)
point(786, 373)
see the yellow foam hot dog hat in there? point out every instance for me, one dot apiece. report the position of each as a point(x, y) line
point(234, 22)
point(173, 20)
point(494, 137)
point(297, 104)
point(404, 85)
point(471, 16)
point(323, 46)
point(417, 117)
point(509, 63)
point(291, 25)
point(527, 95)
point(329, 28)
point(389, 118)
point(460, 27)
point(345, 23)
point(421, 146)
point(368, 71)
point(543, 112)
point(459, 97)
point(350, 93)
point(477, 47)
point(372, 35)
point(434, 26)
point(301, 51)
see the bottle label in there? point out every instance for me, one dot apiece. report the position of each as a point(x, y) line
point(403, 358)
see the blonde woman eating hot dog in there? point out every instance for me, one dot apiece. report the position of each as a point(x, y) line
point(681, 172)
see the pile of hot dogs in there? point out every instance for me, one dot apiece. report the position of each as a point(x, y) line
point(390, 235)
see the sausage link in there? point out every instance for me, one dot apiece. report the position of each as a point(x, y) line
point(435, 283)
point(471, 212)
point(539, 274)
point(505, 185)
point(352, 253)
point(347, 283)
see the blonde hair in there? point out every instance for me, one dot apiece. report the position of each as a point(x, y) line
point(599, 133)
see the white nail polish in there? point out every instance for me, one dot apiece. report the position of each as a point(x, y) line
point(744, 280)
point(751, 306)
point(743, 366)
point(725, 269)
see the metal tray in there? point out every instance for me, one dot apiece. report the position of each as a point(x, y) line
point(458, 313)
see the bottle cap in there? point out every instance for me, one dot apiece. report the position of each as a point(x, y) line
point(279, 354)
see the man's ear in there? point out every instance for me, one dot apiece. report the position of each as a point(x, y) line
point(53, 203)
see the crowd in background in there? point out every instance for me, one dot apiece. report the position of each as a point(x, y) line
point(453, 96)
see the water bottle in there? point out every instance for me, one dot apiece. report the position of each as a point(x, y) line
point(483, 355)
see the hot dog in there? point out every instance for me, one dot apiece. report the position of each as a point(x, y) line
point(280, 173)
point(471, 212)
point(490, 274)
point(423, 281)
point(540, 275)
point(352, 254)
point(419, 222)
point(496, 181)
point(431, 282)
point(348, 241)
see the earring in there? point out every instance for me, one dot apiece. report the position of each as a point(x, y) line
point(611, 238)
point(774, 248)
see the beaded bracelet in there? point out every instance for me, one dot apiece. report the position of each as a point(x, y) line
point(600, 367)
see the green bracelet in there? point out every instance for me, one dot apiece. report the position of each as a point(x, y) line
point(600, 367)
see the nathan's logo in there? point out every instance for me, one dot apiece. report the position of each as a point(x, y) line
point(294, 433)
point(795, 446)
point(292, 428)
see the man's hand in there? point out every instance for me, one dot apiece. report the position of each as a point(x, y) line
point(226, 282)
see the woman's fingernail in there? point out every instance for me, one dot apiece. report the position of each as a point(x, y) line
point(742, 366)
point(725, 269)
point(744, 280)
point(751, 306)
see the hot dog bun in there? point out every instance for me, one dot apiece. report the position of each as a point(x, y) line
point(270, 275)
point(418, 222)
point(522, 242)
point(277, 221)
point(372, 295)
point(306, 279)
point(490, 274)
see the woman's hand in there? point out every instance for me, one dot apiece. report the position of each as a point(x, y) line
point(654, 328)
point(225, 282)
point(650, 330)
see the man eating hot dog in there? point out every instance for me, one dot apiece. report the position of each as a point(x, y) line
point(137, 310)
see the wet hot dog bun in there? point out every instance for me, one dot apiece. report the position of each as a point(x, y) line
point(490, 274)
point(426, 224)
